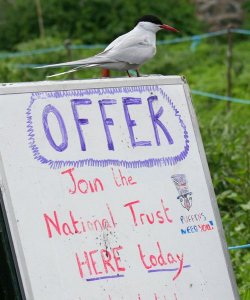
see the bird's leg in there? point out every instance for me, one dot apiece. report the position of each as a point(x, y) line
point(128, 73)
point(137, 73)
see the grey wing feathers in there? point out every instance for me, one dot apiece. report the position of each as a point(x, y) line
point(94, 60)
point(131, 48)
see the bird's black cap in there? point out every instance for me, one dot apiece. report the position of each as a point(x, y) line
point(151, 19)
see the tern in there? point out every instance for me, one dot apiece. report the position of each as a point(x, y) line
point(127, 52)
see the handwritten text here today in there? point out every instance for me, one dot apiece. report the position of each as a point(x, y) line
point(95, 127)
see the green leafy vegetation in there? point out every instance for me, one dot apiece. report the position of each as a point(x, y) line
point(88, 20)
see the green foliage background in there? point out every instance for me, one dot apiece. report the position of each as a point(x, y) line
point(87, 20)
point(225, 133)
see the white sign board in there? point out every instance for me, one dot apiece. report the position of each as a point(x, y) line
point(107, 192)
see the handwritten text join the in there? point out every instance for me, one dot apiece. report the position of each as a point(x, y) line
point(85, 186)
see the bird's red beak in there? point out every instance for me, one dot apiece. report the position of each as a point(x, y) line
point(167, 27)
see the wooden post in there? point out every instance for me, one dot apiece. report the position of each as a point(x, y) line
point(229, 64)
point(67, 45)
point(40, 18)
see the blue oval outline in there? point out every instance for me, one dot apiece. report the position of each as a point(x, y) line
point(149, 163)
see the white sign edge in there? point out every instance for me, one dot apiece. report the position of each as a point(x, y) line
point(50, 85)
point(212, 195)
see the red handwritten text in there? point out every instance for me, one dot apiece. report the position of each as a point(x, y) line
point(82, 185)
point(75, 225)
point(156, 260)
point(121, 180)
point(140, 218)
point(97, 262)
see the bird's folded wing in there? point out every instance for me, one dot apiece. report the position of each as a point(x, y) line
point(134, 55)
point(94, 60)
point(130, 48)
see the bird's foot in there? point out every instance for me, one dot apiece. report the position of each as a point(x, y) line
point(128, 74)
point(137, 73)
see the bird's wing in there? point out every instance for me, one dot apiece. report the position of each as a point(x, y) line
point(133, 47)
point(117, 41)
point(135, 54)
point(90, 60)
point(93, 60)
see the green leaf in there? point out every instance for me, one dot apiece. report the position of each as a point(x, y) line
point(245, 206)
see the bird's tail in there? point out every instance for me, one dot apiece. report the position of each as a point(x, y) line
point(71, 70)
point(65, 64)
point(62, 73)
point(97, 59)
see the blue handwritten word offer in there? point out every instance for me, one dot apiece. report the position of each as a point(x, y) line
point(131, 127)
